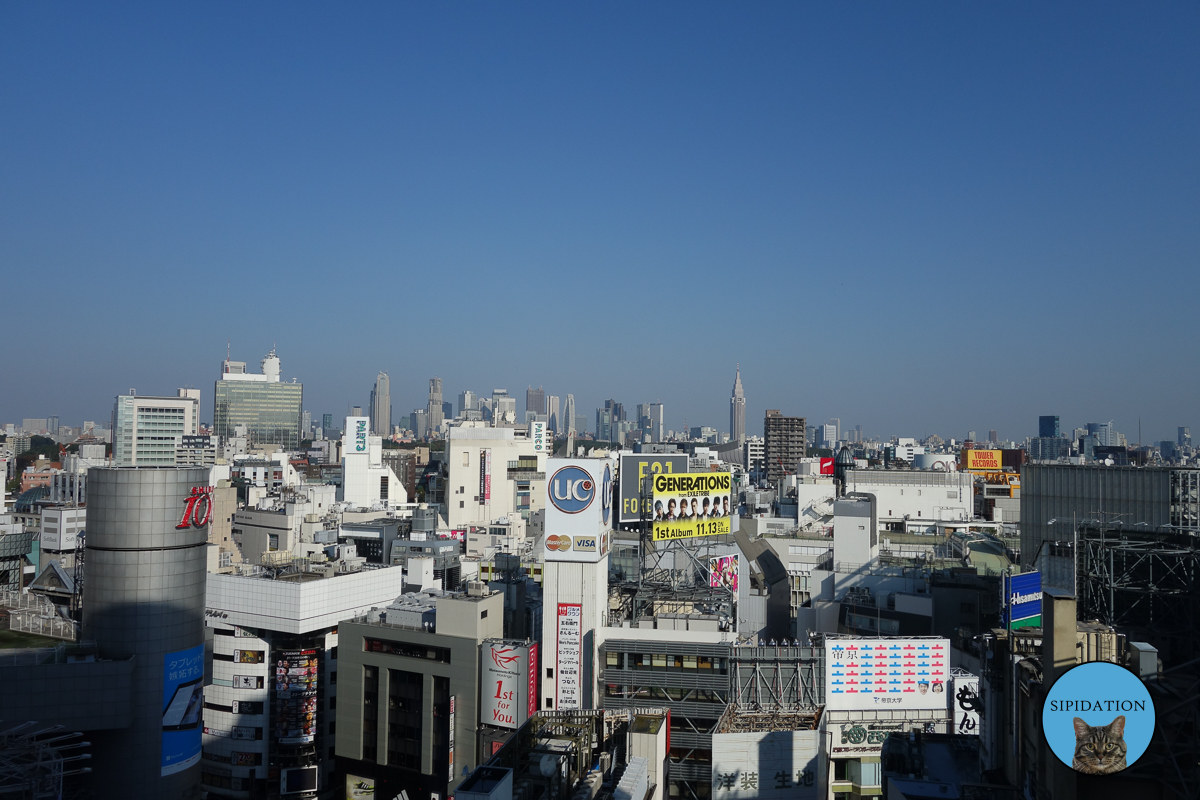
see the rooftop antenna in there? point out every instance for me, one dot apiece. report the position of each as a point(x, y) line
point(227, 349)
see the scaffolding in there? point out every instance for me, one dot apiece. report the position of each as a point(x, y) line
point(1146, 583)
point(34, 759)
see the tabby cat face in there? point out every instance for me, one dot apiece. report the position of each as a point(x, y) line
point(1099, 749)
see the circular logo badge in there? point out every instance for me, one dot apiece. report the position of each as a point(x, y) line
point(572, 489)
point(1098, 718)
point(606, 490)
point(561, 543)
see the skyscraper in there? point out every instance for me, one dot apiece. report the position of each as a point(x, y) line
point(784, 444)
point(535, 400)
point(467, 401)
point(305, 424)
point(268, 408)
point(326, 421)
point(1048, 427)
point(1105, 433)
point(553, 411)
point(569, 414)
point(435, 414)
point(737, 409)
point(656, 422)
point(1184, 436)
point(381, 406)
point(993, 437)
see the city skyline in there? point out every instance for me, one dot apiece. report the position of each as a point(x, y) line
point(414, 392)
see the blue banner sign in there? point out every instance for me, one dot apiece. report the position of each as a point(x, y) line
point(1023, 600)
point(183, 697)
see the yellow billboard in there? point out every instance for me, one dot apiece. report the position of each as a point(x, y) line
point(983, 460)
point(691, 504)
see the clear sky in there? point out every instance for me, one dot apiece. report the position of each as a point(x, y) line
point(916, 217)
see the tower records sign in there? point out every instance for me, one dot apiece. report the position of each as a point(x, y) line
point(693, 504)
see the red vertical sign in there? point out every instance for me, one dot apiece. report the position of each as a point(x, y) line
point(532, 700)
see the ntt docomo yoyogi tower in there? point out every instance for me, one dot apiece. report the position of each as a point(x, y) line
point(575, 577)
point(143, 598)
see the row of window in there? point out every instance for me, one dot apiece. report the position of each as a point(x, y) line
point(667, 662)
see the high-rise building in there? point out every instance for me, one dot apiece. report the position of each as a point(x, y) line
point(554, 413)
point(569, 414)
point(52, 425)
point(436, 413)
point(1184, 436)
point(418, 421)
point(657, 431)
point(993, 437)
point(971, 436)
point(381, 406)
point(603, 424)
point(737, 409)
point(147, 431)
point(305, 424)
point(1105, 433)
point(828, 435)
point(327, 421)
point(467, 401)
point(535, 400)
point(1048, 427)
point(783, 443)
point(504, 408)
point(615, 409)
point(268, 408)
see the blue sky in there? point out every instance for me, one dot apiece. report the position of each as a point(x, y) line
point(918, 218)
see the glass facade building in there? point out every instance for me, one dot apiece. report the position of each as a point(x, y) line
point(270, 411)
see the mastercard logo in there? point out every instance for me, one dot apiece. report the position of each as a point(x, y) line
point(558, 543)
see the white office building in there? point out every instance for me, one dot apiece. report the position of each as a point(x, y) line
point(493, 473)
point(148, 430)
point(366, 481)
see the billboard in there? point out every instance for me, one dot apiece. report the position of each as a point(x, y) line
point(723, 571)
point(183, 697)
point(485, 476)
point(827, 466)
point(532, 696)
point(537, 434)
point(295, 704)
point(895, 673)
point(965, 702)
point(568, 676)
point(983, 460)
point(691, 505)
point(1022, 601)
point(504, 683)
point(637, 470)
point(776, 765)
point(579, 511)
point(357, 429)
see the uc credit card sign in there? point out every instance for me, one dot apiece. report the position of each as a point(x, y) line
point(1023, 600)
point(579, 495)
point(183, 698)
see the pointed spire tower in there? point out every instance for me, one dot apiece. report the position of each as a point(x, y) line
point(737, 409)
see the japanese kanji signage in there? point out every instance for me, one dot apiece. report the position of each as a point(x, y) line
point(777, 765)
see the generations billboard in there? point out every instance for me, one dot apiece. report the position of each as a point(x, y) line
point(579, 511)
point(183, 697)
point(296, 696)
point(635, 482)
point(1022, 601)
point(509, 670)
point(568, 675)
point(780, 765)
point(723, 572)
point(695, 504)
point(895, 673)
point(983, 460)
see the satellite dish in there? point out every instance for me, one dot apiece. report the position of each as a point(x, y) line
point(548, 765)
point(1108, 462)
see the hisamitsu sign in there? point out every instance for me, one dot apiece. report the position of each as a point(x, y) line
point(1022, 601)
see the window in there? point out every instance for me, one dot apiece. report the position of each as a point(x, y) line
point(370, 713)
point(483, 614)
point(407, 650)
point(461, 504)
point(405, 706)
point(466, 458)
point(549, 672)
